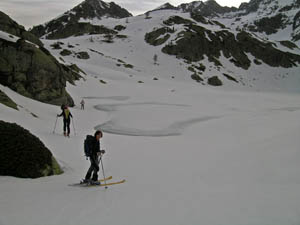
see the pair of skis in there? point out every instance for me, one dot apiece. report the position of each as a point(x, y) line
point(102, 183)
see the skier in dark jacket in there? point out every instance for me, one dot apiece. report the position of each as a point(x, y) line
point(94, 146)
point(67, 119)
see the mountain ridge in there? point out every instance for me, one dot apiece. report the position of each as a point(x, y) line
point(87, 10)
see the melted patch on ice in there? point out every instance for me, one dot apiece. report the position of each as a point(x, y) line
point(132, 119)
point(289, 109)
point(117, 98)
point(174, 129)
point(114, 107)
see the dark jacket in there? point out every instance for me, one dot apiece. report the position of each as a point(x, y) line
point(93, 144)
point(66, 114)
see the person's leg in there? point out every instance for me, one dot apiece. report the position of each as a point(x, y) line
point(89, 173)
point(68, 126)
point(96, 169)
point(65, 125)
point(91, 169)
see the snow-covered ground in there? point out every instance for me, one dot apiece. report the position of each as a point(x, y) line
point(190, 155)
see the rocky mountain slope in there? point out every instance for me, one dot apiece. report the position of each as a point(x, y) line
point(211, 44)
point(208, 8)
point(254, 45)
point(264, 17)
point(75, 21)
point(30, 69)
point(275, 20)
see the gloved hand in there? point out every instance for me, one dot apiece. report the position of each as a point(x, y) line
point(101, 152)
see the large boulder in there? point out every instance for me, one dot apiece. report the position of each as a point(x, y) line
point(215, 81)
point(24, 155)
point(34, 72)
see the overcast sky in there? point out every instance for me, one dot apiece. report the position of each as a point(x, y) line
point(35, 12)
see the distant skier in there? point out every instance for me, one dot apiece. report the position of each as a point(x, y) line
point(67, 119)
point(92, 150)
point(82, 104)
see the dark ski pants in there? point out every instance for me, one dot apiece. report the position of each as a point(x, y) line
point(94, 168)
point(67, 126)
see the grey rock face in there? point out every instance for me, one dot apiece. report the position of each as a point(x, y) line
point(34, 73)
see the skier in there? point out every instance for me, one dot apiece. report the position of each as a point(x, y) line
point(93, 143)
point(82, 104)
point(67, 118)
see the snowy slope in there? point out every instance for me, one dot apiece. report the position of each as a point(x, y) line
point(135, 51)
point(267, 9)
point(190, 154)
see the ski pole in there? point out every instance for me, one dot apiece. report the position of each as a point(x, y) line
point(73, 126)
point(103, 171)
point(55, 125)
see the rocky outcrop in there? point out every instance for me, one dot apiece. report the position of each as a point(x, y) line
point(203, 8)
point(159, 36)
point(34, 72)
point(82, 55)
point(75, 29)
point(208, 8)
point(69, 23)
point(23, 154)
point(10, 26)
point(250, 7)
point(296, 26)
point(214, 81)
point(166, 6)
point(90, 9)
point(270, 25)
point(195, 42)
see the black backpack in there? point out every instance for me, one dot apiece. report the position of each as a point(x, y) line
point(87, 145)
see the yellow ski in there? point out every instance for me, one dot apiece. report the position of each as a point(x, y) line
point(107, 184)
point(106, 178)
point(82, 184)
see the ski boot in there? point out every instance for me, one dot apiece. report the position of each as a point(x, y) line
point(94, 182)
point(85, 181)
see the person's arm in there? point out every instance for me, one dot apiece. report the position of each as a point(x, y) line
point(59, 115)
point(100, 152)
